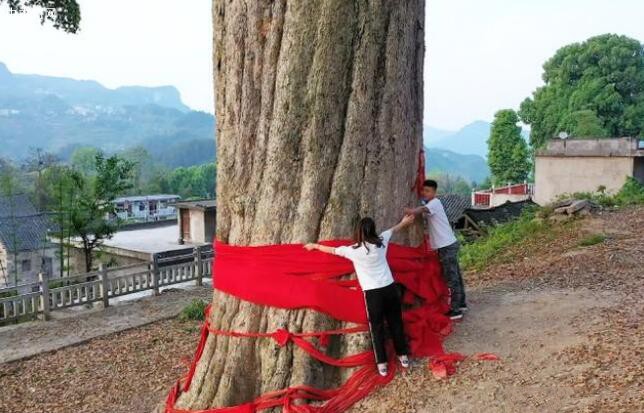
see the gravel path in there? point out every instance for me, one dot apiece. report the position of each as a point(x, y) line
point(565, 320)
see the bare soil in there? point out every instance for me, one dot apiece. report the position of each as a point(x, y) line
point(565, 320)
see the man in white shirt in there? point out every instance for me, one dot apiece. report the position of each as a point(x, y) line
point(442, 240)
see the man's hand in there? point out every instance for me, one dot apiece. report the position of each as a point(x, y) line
point(311, 247)
point(410, 211)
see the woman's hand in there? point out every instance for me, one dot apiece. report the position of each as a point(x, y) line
point(407, 220)
point(311, 247)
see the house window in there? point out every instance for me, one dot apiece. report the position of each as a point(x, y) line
point(25, 265)
point(141, 206)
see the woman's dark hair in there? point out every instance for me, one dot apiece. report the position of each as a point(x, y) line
point(366, 233)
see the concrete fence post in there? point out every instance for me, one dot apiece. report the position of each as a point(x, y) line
point(154, 269)
point(105, 287)
point(44, 295)
point(199, 265)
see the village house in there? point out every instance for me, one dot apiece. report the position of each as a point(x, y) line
point(566, 166)
point(146, 208)
point(197, 221)
point(140, 243)
point(25, 249)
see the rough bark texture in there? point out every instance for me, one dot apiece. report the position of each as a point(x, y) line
point(319, 117)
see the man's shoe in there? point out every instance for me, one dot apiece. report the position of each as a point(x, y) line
point(404, 361)
point(454, 314)
point(463, 308)
point(382, 369)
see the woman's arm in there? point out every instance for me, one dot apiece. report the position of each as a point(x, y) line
point(323, 248)
point(405, 221)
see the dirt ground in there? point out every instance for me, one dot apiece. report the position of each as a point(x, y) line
point(565, 320)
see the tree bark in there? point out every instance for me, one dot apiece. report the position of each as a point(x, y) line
point(319, 122)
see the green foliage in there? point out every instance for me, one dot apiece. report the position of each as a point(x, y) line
point(63, 14)
point(194, 311)
point(83, 159)
point(192, 182)
point(592, 240)
point(451, 184)
point(585, 123)
point(9, 188)
point(480, 252)
point(91, 201)
point(592, 89)
point(7, 294)
point(508, 156)
point(632, 193)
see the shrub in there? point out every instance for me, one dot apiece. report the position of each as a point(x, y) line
point(632, 193)
point(592, 240)
point(194, 311)
point(478, 253)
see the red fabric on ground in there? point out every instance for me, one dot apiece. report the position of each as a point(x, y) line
point(289, 277)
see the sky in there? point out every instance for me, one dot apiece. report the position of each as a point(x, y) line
point(481, 55)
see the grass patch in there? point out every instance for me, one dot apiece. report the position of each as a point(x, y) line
point(479, 253)
point(193, 311)
point(592, 240)
point(632, 193)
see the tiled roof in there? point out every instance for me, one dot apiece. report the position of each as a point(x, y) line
point(22, 228)
point(499, 214)
point(155, 197)
point(454, 206)
point(200, 204)
point(16, 206)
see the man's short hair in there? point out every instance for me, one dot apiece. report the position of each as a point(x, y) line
point(430, 183)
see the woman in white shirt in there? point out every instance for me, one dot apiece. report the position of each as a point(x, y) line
point(382, 298)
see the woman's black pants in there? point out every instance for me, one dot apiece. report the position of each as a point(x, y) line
point(384, 304)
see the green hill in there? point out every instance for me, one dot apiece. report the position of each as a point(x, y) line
point(54, 113)
point(471, 167)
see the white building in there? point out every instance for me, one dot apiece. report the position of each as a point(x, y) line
point(146, 207)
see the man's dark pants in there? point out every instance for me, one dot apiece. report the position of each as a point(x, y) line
point(452, 273)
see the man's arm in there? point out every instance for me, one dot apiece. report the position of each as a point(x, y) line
point(416, 211)
point(323, 248)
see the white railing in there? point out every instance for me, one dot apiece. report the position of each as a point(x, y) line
point(47, 295)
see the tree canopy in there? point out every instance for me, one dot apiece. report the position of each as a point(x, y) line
point(507, 150)
point(63, 14)
point(592, 89)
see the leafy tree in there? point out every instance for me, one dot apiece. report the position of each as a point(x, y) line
point(9, 188)
point(64, 14)
point(60, 184)
point(35, 164)
point(192, 182)
point(592, 89)
point(84, 159)
point(451, 184)
point(585, 123)
point(92, 202)
point(508, 156)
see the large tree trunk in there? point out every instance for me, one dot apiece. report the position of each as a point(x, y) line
point(319, 117)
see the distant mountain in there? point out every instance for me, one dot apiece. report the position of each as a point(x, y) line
point(471, 167)
point(433, 135)
point(54, 113)
point(471, 139)
point(86, 93)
